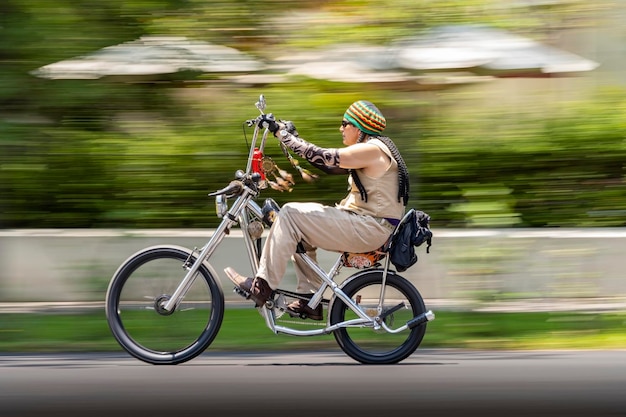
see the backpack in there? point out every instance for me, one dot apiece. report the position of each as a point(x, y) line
point(412, 231)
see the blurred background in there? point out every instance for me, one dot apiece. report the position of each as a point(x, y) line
point(511, 116)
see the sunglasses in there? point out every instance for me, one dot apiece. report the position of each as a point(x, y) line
point(345, 123)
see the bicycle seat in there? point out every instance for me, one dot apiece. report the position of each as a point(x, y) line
point(365, 259)
point(371, 259)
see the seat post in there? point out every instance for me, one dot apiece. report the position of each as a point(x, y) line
point(383, 286)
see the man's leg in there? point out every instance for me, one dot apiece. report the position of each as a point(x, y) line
point(320, 226)
point(308, 280)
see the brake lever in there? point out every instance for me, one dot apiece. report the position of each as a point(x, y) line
point(254, 122)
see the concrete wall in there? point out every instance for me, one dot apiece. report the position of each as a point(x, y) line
point(464, 265)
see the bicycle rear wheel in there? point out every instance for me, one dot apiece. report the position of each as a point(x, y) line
point(364, 343)
point(142, 327)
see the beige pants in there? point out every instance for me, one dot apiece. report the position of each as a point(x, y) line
point(318, 226)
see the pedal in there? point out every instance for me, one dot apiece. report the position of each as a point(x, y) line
point(244, 294)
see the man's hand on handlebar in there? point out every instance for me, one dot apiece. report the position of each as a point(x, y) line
point(268, 121)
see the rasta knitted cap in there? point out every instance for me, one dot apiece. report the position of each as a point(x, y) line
point(366, 117)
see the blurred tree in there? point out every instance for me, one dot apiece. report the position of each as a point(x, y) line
point(95, 153)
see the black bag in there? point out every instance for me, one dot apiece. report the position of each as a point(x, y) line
point(413, 231)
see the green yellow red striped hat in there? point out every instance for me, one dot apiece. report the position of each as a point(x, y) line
point(366, 117)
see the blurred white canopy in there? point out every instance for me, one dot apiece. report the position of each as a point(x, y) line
point(486, 50)
point(152, 56)
point(444, 55)
point(344, 63)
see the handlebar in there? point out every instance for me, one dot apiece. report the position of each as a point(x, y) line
point(261, 170)
point(237, 186)
point(234, 188)
point(257, 121)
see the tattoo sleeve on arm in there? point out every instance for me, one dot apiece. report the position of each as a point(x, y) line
point(314, 154)
point(334, 170)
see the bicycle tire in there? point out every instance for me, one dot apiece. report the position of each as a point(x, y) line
point(151, 334)
point(369, 346)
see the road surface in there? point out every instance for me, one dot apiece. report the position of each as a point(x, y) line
point(321, 384)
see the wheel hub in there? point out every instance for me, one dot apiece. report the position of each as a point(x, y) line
point(159, 305)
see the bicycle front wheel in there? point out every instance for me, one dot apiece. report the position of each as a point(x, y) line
point(134, 310)
point(377, 346)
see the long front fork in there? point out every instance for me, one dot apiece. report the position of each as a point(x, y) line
point(234, 214)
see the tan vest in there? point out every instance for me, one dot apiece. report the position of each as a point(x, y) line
point(382, 193)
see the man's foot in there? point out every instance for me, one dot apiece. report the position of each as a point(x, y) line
point(257, 289)
point(301, 309)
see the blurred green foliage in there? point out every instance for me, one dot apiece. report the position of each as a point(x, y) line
point(100, 153)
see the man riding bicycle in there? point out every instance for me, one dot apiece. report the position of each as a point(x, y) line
point(361, 222)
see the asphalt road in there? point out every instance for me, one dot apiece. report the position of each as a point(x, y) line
point(430, 383)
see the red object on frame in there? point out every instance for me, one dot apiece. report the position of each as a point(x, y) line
point(257, 158)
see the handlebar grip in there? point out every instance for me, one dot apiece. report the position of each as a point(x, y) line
point(234, 188)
